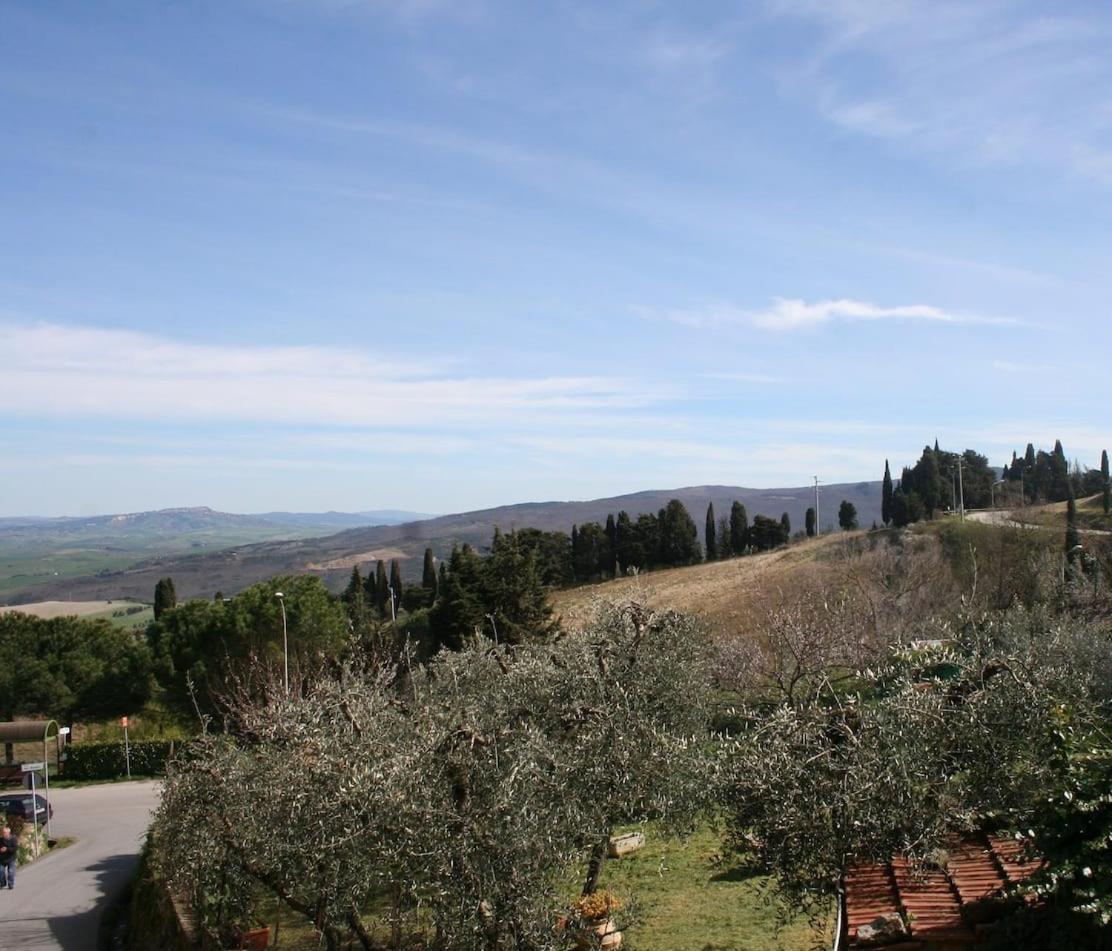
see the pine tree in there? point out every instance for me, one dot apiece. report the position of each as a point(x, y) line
point(809, 523)
point(1106, 486)
point(165, 597)
point(739, 529)
point(711, 534)
point(396, 584)
point(381, 588)
point(886, 495)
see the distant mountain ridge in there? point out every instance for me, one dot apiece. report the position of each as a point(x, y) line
point(332, 556)
point(200, 518)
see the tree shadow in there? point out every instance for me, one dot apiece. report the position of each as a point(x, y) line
point(79, 932)
point(739, 873)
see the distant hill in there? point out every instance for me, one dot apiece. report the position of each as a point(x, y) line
point(231, 569)
point(51, 551)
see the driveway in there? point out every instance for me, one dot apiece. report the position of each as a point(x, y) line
point(58, 900)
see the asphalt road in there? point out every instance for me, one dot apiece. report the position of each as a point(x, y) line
point(58, 900)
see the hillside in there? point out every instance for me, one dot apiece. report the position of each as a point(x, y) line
point(234, 568)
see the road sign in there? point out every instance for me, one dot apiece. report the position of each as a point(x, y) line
point(123, 721)
point(32, 767)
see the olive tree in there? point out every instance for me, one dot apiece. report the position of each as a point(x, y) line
point(455, 796)
point(969, 731)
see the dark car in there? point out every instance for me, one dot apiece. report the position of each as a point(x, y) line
point(19, 804)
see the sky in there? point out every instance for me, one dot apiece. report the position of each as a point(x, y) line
point(441, 255)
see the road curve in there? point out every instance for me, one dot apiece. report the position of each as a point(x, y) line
point(58, 900)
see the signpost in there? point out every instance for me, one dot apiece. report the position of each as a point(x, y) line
point(33, 768)
point(127, 748)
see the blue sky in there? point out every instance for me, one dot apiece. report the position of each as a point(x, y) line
point(319, 254)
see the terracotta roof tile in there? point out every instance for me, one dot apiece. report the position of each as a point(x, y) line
point(930, 900)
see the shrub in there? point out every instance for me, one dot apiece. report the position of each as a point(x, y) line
point(107, 761)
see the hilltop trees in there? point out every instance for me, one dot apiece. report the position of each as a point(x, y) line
point(809, 523)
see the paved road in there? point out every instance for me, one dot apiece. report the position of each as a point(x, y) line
point(58, 900)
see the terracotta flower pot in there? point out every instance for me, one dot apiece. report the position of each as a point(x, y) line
point(257, 939)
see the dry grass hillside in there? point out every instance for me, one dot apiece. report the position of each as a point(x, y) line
point(885, 583)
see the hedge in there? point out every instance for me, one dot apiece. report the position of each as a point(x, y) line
point(106, 760)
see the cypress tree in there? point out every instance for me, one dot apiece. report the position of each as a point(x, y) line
point(441, 578)
point(370, 590)
point(786, 527)
point(809, 522)
point(381, 585)
point(396, 583)
point(722, 536)
point(165, 597)
point(711, 536)
point(575, 553)
point(610, 554)
point(739, 529)
point(847, 516)
point(623, 542)
point(679, 536)
point(428, 573)
point(886, 495)
point(353, 593)
point(1106, 487)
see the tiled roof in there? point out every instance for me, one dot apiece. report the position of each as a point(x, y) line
point(894, 905)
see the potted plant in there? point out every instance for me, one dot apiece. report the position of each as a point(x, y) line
point(596, 928)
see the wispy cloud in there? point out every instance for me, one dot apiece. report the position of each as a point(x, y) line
point(987, 82)
point(789, 313)
point(66, 371)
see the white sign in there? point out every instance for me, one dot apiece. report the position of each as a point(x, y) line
point(33, 767)
point(64, 731)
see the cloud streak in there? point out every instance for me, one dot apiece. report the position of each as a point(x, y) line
point(791, 313)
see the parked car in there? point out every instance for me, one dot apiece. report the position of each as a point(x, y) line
point(19, 804)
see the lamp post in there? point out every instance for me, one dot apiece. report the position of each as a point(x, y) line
point(285, 640)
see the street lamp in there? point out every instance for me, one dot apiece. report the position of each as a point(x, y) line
point(992, 490)
point(285, 641)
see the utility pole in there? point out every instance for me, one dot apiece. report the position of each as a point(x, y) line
point(285, 643)
point(818, 524)
point(393, 615)
point(961, 490)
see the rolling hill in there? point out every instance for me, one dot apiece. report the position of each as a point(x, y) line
point(201, 574)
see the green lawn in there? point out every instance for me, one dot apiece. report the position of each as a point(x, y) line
point(688, 897)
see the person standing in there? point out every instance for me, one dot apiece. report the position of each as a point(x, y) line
point(9, 850)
